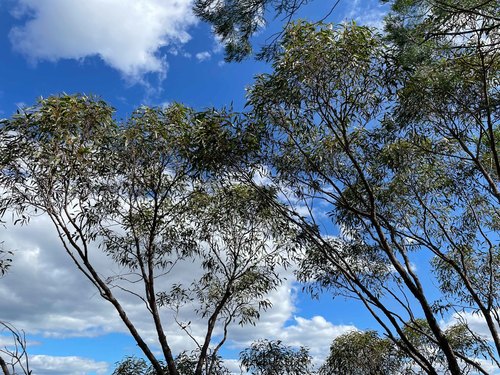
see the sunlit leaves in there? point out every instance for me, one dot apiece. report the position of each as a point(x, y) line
point(395, 138)
point(151, 193)
point(266, 357)
point(362, 353)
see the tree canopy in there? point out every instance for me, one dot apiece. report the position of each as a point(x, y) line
point(362, 353)
point(266, 357)
point(397, 144)
point(390, 138)
point(133, 191)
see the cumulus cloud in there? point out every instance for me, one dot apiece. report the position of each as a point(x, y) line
point(43, 292)
point(126, 34)
point(282, 323)
point(315, 333)
point(369, 13)
point(51, 365)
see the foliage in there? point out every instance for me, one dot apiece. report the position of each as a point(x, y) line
point(450, 93)
point(266, 357)
point(461, 338)
point(133, 366)
point(402, 158)
point(137, 192)
point(394, 138)
point(365, 352)
point(362, 353)
point(185, 363)
point(236, 21)
point(5, 260)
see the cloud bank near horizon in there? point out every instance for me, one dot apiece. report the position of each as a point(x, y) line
point(44, 294)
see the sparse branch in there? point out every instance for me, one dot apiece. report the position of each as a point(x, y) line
point(18, 355)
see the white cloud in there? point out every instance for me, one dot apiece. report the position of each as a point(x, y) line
point(5, 341)
point(203, 56)
point(51, 365)
point(233, 365)
point(281, 323)
point(44, 293)
point(368, 13)
point(316, 333)
point(126, 34)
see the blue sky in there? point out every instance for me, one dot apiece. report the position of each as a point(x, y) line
point(130, 52)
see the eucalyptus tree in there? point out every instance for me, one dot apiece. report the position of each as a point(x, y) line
point(363, 353)
point(359, 352)
point(405, 200)
point(245, 246)
point(236, 21)
point(450, 93)
point(186, 365)
point(266, 357)
point(133, 366)
point(132, 191)
point(462, 339)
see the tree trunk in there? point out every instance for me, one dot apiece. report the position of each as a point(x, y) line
point(3, 365)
